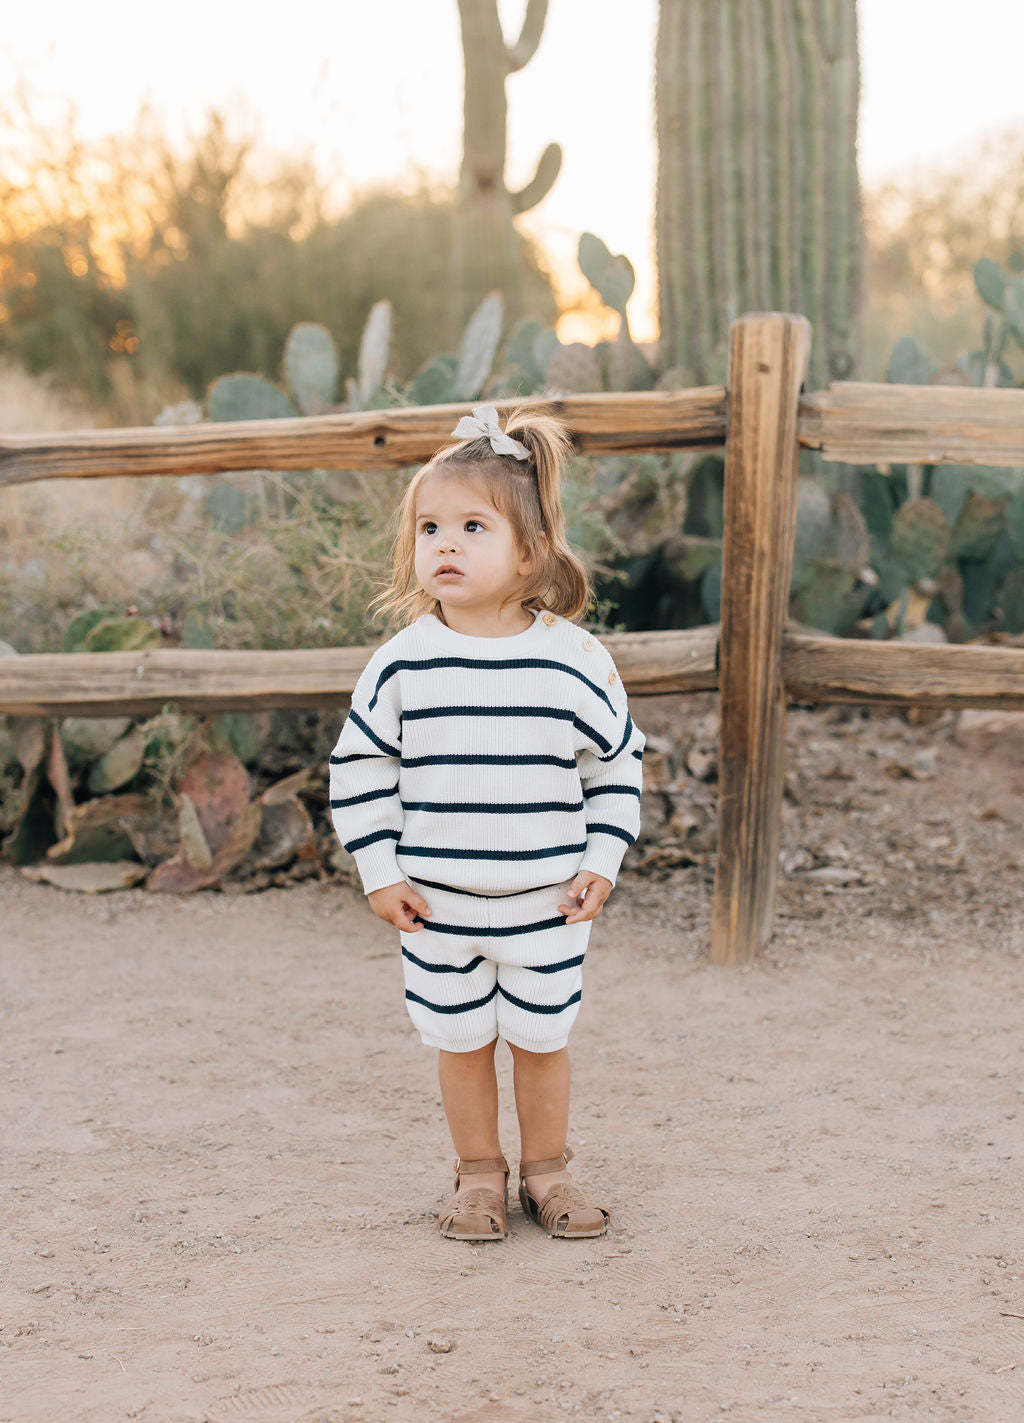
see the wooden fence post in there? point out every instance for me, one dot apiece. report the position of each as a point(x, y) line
point(767, 365)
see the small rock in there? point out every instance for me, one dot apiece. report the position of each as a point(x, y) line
point(833, 874)
point(440, 1346)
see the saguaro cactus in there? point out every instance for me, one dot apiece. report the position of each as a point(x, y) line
point(488, 251)
point(758, 203)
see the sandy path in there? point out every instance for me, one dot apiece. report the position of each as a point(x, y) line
point(224, 1147)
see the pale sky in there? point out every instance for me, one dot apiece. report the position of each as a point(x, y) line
point(376, 90)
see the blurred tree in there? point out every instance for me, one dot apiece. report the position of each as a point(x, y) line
point(136, 274)
point(924, 235)
point(488, 252)
point(757, 200)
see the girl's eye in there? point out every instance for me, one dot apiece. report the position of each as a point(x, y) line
point(472, 524)
point(429, 528)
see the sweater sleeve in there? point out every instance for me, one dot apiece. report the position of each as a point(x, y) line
point(365, 805)
point(609, 753)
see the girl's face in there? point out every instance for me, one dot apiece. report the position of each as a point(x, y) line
point(467, 554)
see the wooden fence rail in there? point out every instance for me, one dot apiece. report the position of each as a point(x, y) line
point(754, 661)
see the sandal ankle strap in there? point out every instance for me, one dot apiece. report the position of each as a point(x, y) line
point(479, 1168)
point(542, 1168)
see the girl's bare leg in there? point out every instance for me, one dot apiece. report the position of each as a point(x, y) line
point(542, 1081)
point(469, 1091)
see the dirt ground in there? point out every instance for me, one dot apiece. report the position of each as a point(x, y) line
point(224, 1148)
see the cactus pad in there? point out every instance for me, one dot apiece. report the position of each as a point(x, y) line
point(1011, 600)
point(373, 352)
point(813, 520)
point(479, 344)
point(311, 366)
point(247, 397)
point(611, 277)
point(434, 382)
point(977, 527)
point(574, 368)
point(920, 538)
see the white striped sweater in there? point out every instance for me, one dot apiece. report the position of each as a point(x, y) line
point(488, 765)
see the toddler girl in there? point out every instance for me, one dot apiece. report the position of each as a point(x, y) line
point(487, 783)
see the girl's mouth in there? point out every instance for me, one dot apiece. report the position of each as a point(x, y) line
point(448, 572)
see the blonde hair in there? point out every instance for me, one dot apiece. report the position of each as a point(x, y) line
point(527, 493)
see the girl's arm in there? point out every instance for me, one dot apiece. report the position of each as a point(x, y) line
point(610, 759)
point(365, 804)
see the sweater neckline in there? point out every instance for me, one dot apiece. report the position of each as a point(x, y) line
point(442, 635)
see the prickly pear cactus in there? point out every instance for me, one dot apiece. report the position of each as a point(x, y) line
point(479, 344)
point(573, 369)
point(373, 353)
point(1011, 600)
point(977, 527)
point(612, 277)
point(920, 538)
point(311, 366)
point(1015, 524)
point(523, 366)
point(434, 382)
point(813, 523)
point(247, 397)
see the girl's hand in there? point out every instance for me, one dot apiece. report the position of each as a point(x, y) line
point(590, 892)
point(398, 903)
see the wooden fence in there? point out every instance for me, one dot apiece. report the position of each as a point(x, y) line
point(755, 663)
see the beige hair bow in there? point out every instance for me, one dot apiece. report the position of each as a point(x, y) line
point(484, 421)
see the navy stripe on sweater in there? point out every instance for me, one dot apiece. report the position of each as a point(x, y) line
point(436, 853)
point(611, 790)
point(429, 713)
point(623, 743)
point(611, 830)
point(504, 664)
point(368, 731)
point(353, 845)
point(461, 758)
point(361, 799)
point(486, 807)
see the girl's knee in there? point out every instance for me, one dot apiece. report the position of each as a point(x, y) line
point(473, 1057)
point(528, 1055)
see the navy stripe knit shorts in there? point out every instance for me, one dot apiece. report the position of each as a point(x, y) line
point(487, 966)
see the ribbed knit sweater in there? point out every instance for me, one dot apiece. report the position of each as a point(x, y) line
point(489, 765)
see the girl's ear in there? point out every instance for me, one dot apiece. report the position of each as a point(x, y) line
point(528, 557)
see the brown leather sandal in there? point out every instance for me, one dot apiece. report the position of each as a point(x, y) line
point(478, 1214)
point(565, 1212)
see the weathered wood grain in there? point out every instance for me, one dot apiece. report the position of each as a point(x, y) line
point(767, 366)
point(860, 423)
point(137, 683)
point(814, 669)
point(835, 669)
point(619, 423)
